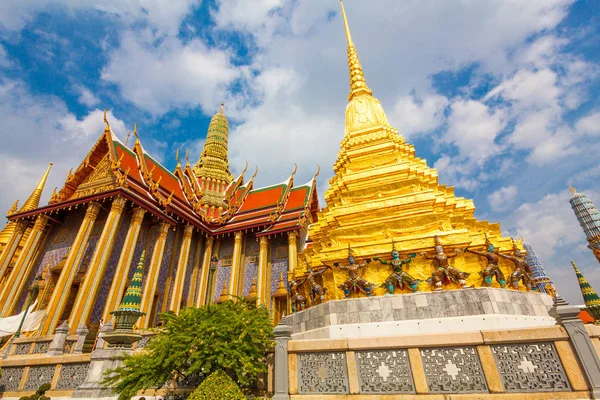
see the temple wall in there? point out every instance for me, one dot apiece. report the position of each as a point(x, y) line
point(250, 262)
point(164, 270)
point(529, 363)
point(190, 267)
point(223, 272)
point(60, 239)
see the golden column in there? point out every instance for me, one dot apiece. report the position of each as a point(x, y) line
point(153, 271)
point(119, 281)
point(11, 246)
point(203, 290)
point(234, 276)
point(88, 292)
point(184, 254)
point(263, 255)
point(60, 294)
point(13, 288)
point(193, 292)
point(292, 252)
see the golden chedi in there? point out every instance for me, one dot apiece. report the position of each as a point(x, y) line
point(382, 192)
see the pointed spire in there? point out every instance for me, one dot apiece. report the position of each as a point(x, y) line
point(589, 294)
point(224, 296)
point(33, 201)
point(252, 293)
point(358, 84)
point(281, 289)
point(133, 296)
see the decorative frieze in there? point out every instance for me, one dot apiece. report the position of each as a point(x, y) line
point(453, 370)
point(21, 349)
point(38, 375)
point(324, 373)
point(533, 367)
point(72, 376)
point(41, 347)
point(384, 372)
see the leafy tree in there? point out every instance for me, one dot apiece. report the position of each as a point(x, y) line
point(218, 386)
point(232, 337)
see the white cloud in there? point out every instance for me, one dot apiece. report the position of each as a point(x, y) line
point(172, 75)
point(589, 125)
point(473, 128)
point(530, 89)
point(39, 129)
point(503, 198)
point(86, 97)
point(163, 15)
point(412, 116)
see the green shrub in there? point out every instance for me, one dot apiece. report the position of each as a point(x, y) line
point(218, 386)
point(39, 394)
point(43, 389)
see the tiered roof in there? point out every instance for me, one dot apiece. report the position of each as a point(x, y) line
point(112, 168)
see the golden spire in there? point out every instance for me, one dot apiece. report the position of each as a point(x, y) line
point(358, 84)
point(33, 201)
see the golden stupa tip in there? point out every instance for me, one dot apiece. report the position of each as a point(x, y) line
point(221, 110)
point(348, 35)
point(572, 189)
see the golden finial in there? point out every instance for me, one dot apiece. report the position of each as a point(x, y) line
point(255, 173)
point(177, 156)
point(187, 158)
point(348, 35)
point(106, 120)
point(221, 110)
point(245, 169)
point(318, 171)
point(572, 189)
point(358, 84)
point(127, 138)
point(135, 131)
point(14, 208)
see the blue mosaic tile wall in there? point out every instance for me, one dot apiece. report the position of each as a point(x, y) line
point(164, 269)
point(59, 243)
point(250, 265)
point(190, 269)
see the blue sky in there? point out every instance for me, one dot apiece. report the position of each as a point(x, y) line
point(502, 97)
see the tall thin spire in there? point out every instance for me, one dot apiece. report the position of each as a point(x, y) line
point(33, 201)
point(592, 301)
point(133, 296)
point(589, 218)
point(358, 84)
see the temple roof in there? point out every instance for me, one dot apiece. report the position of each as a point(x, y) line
point(112, 168)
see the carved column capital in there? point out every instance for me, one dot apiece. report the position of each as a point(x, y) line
point(292, 235)
point(92, 211)
point(163, 230)
point(188, 230)
point(138, 215)
point(21, 227)
point(238, 236)
point(40, 222)
point(264, 242)
point(118, 204)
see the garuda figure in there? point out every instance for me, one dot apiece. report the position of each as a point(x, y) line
point(443, 269)
point(492, 269)
point(316, 292)
point(521, 271)
point(298, 301)
point(355, 283)
point(398, 276)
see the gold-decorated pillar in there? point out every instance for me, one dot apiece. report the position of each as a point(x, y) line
point(11, 246)
point(234, 276)
point(19, 276)
point(149, 290)
point(60, 295)
point(180, 274)
point(203, 290)
point(262, 283)
point(196, 268)
point(292, 252)
point(119, 280)
point(88, 292)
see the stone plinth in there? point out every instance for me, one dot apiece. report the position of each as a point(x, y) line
point(100, 362)
point(460, 310)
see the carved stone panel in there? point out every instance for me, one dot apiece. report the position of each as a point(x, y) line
point(72, 376)
point(40, 348)
point(38, 375)
point(453, 370)
point(322, 373)
point(22, 348)
point(531, 367)
point(11, 376)
point(384, 372)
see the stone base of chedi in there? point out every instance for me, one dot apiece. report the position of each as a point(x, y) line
point(449, 311)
